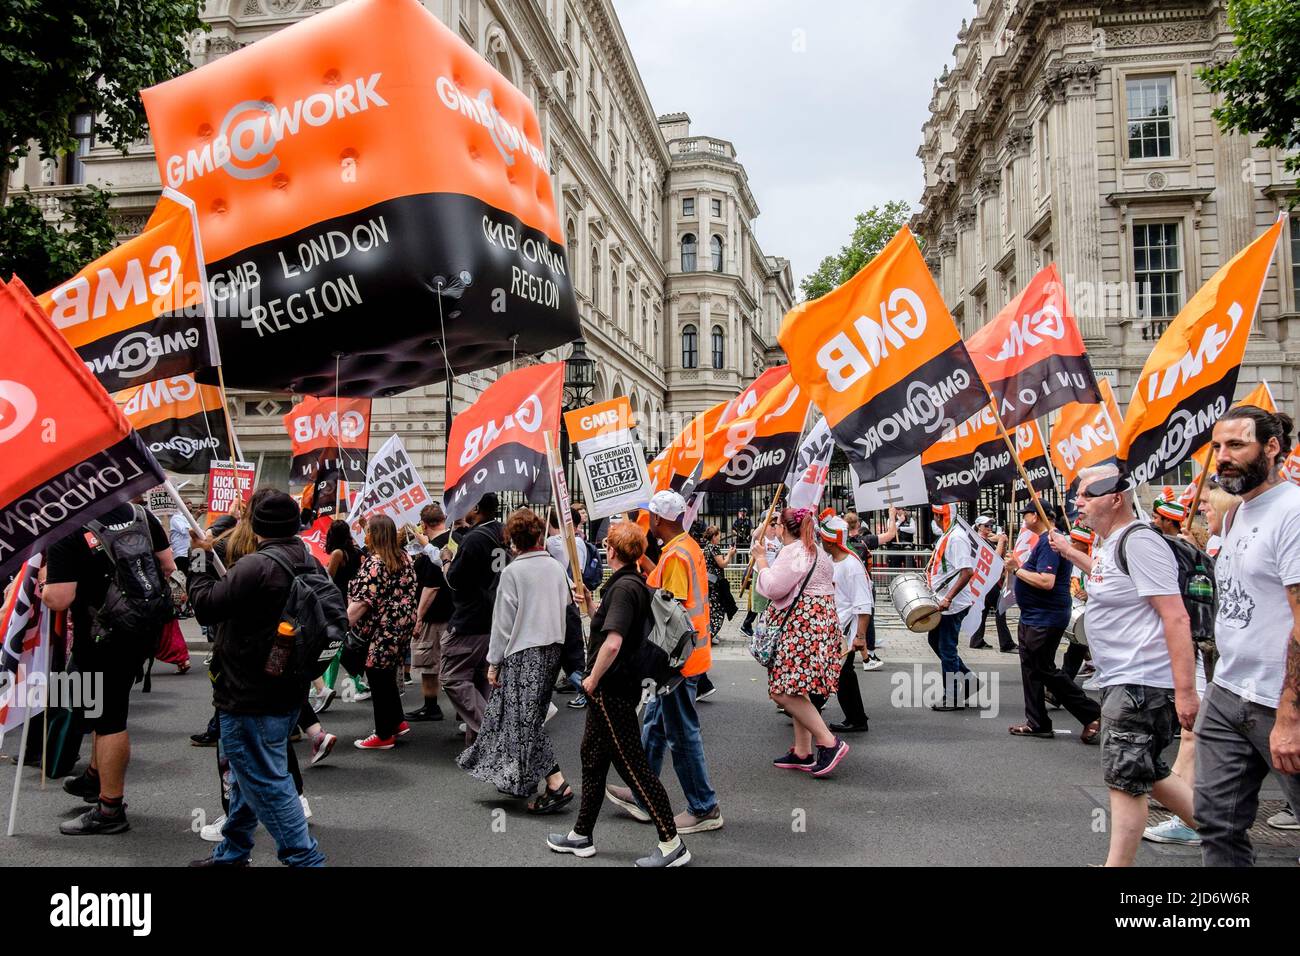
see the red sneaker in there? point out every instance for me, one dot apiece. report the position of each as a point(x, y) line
point(403, 729)
point(375, 742)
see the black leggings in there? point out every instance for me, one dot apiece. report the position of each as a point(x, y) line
point(613, 735)
point(386, 700)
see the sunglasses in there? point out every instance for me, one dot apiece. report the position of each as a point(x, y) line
point(1113, 485)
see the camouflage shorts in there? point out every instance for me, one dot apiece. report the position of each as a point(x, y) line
point(1137, 725)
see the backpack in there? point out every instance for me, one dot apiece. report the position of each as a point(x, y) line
point(669, 640)
point(138, 603)
point(593, 571)
point(319, 612)
point(1203, 606)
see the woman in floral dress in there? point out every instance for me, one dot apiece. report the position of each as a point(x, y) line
point(716, 560)
point(381, 609)
point(800, 583)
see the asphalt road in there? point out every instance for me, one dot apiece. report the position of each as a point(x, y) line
point(922, 788)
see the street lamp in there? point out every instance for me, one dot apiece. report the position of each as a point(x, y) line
point(579, 375)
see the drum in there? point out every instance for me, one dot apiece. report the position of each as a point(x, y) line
point(915, 602)
point(1076, 632)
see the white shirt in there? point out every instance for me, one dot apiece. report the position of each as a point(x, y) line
point(558, 550)
point(1125, 634)
point(958, 554)
point(178, 531)
point(852, 594)
point(1259, 558)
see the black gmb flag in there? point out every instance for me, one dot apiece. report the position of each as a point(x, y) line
point(180, 420)
point(969, 457)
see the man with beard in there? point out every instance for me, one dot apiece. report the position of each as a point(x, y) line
point(1250, 719)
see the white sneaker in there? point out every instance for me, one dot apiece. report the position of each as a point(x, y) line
point(306, 807)
point(462, 727)
point(551, 711)
point(872, 663)
point(321, 703)
point(1285, 820)
point(361, 695)
point(1172, 830)
point(321, 747)
point(212, 832)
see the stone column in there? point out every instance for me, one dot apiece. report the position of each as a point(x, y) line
point(987, 193)
point(1076, 192)
point(1020, 216)
point(967, 245)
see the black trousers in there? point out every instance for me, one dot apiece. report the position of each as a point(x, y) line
point(1075, 655)
point(1039, 672)
point(1005, 641)
point(386, 699)
point(849, 694)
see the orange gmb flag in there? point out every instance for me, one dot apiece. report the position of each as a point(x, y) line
point(139, 313)
point(1085, 435)
point(498, 443)
point(1031, 355)
point(1188, 381)
point(328, 435)
point(883, 360)
point(683, 459)
point(67, 454)
point(967, 458)
point(1032, 452)
point(755, 445)
point(353, 173)
point(602, 420)
point(1261, 396)
point(179, 420)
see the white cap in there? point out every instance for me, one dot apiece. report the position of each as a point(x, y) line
point(668, 505)
point(983, 520)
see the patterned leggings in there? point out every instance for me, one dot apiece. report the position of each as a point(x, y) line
point(613, 735)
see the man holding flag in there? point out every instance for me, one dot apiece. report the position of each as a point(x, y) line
point(949, 575)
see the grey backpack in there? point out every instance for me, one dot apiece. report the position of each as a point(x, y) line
point(670, 639)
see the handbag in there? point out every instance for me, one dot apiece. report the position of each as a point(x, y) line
point(762, 646)
point(353, 653)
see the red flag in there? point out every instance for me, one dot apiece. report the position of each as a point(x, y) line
point(329, 435)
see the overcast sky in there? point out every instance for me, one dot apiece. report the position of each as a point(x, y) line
point(824, 133)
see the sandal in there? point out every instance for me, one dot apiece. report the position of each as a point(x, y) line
point(552, 801)
point(1024, 730)
point(1091, 733)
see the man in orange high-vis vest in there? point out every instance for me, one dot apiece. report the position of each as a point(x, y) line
point(671, 720)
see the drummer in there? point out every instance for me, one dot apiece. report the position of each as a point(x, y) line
point(951, 568)
point(1042, 584)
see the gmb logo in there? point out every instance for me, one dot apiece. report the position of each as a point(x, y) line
point(17, 408)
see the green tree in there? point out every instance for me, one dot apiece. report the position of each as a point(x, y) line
point(59, 58)
point(40, 252)
point(1260, 85)
point(871, 231)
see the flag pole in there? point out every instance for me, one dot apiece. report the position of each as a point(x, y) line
point(771, 508)
point(1200, 485)
point(566, 521)
point(225, 413)
point(184, 509)
point(22, 745)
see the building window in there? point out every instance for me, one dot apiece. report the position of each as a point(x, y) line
point(594, 131)
point(1295, 262)
point(690, 347)
point(688, 252)
point(613, 294)
point(1150, 117)
point(595, 277)
point(715, 250)
point(1045, 156)
point(716, 206)
point(688, 205)
point(1158, 272)
point(83, 131)
point(717, 346)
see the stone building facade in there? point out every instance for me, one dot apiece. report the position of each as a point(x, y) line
point(620, 177)
point(1079, 133)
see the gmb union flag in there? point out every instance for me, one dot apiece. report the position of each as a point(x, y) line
point(139, 313)
point(498, 443)
point(67, 454)
point(180, 421)
point(757, 440)
point(328, 436)
point(884, 361)
point(969, 457)
point(1085, 434)
point(1031, 355)
point(365, 178)
point(1189, 379)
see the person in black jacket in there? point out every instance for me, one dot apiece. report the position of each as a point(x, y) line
point(472, 576)
point(257, 712)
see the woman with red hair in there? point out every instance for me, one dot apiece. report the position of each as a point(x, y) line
point(800, 583)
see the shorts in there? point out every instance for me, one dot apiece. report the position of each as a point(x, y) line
point(426, 647)
point(106, 698)
point(1137, 725)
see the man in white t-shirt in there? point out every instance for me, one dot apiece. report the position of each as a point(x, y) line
point(1141, 642)
point(951, 569)
point(178, 533)
point(1250, 719)
point(854, 604)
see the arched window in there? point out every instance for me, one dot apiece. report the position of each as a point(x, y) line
point(613, 295)
point(595, 277)
point(688, 252)
point(690, 347)
point(715, 250)
point(717, 346)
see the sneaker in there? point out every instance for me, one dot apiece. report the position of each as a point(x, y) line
point(375, 742)
point(1172, 830)
point(83, 786)
point(403, 729)
point(204, 739)
point(792, 761)
point(582, 846)
point(321, 747)
point(427, 712)
point(705, 695)
point(747, 630)
point(1285, 820)
point(463, 727)
point(209, 861)
point(846, 728)
point(306, 807)
point(551, 711)
point(361, 695)
point(679, 857)
point(622, 798)
point(872, 663)
point(322, 703)
point(828, 758)
point(212, 832)
point(96, 823)
point(407, 680)
point(688, 822)
point(578, 703)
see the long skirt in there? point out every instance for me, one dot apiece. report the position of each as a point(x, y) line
point(513, 752)
point(807, 659)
